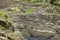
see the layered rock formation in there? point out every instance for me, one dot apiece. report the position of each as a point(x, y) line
point(40, 22)
point(39, 25)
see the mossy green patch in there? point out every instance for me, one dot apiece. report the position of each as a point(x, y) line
point(34, 1)
point(29, 11)
point(1, 27)
point(14, 9)
point(31, 1)
point(3, 15)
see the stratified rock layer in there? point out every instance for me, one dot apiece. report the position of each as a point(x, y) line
point(41, 24)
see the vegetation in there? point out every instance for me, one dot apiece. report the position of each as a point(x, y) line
point(29, 19)
point(57, 2)
point(29, 11)
point(14, 9)
point(3, 15)
point(54, 2)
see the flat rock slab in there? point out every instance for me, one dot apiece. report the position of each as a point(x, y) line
point(42, 33)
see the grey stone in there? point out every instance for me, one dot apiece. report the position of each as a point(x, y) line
point(42, 33)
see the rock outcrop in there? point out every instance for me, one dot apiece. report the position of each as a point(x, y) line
point(30, 22)
point(37, 24)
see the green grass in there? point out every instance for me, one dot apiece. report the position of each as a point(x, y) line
point(15, 9)
point(1, 27)
point(29, 11)
point(30, 1)
point(3, 15)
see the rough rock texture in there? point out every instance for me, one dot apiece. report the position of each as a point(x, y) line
point(7, 33)
point(42, 33)
point(38, 25)
point(41, 24)
point(56, 37)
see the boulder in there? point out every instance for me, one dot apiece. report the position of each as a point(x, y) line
point(42, 33)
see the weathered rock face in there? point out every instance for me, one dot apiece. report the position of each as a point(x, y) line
point(6, 28)
point(5, 23)
point(37, 25)
point(7, 33)
point(3, 27)
point(40, 24)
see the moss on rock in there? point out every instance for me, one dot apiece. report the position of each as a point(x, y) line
point(3, 15)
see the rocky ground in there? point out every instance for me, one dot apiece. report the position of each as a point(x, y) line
point(42, 24)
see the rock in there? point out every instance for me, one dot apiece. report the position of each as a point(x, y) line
point(58, 22)
point(5, 34)
point(10, 36)
point(42, 33)
point(16, 0)
point(41, 24)
point(2, 22)
point(13, 35)
point(56, 37)
point(18, 35)
point(5, 3)
point(20, 26)
point(26, 33)
point(1, 28)
point(5, 23)
point(57, 29)
point(3, 38)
